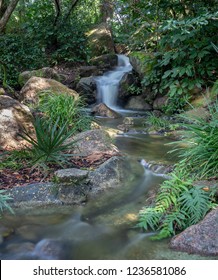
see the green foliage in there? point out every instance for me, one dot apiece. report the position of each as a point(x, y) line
point(15, 159)
point(179, 37)
point(4, 199)
point(66, 109)
point(50, 145)
point(33, 40)
point(156, 122)
point(178, 205)
point(199, 144)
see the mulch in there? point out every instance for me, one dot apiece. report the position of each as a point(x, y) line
point(27, 175)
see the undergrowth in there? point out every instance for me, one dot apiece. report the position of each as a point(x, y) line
point(181, 202)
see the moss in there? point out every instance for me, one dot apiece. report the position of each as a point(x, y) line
point(143, 62)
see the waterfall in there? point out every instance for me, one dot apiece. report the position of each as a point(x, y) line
point(108, 84)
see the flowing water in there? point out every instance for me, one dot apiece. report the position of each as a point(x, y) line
point(108, 84)
point(104, 228)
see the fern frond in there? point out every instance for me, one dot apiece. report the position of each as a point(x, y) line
point(196, 203)
point(149, 218)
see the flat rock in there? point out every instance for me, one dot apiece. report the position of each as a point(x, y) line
point(94, 142)
point(201, 238)
point(71, 174)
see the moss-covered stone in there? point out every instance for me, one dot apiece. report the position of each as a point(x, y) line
point(45, 72)
point(143, 63)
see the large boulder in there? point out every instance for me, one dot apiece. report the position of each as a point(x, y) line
point(160, 103)
point(35, 85)
point(138, 103)
point(103, 110)
point(142, 62)
point(87, 89)
point(125, 84)
point(105, 62)
point(45, 72)
point(201, 238)
point(100, 40)
point(14, 118)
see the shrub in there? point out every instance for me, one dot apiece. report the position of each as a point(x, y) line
point(179, 202)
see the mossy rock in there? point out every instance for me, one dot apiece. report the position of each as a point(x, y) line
point(143, 63)
point(45, 72)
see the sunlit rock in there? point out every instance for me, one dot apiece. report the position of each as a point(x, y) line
point(14, 118)
point(34, 86)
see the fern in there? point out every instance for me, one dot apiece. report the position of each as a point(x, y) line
point(178, 205)
point(195, 203)
point(173, 220)
point(149, 218)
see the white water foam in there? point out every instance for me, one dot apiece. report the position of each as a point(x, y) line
point(108, 84)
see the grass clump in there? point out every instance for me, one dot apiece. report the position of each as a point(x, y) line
point(199, 145)
point(64, 107)
point(159, 124)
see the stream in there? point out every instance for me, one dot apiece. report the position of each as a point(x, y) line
point(105, 228)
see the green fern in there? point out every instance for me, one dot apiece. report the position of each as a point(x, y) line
point(195, 203)
point(172, 221)
point(149, 218)
point(178, 205)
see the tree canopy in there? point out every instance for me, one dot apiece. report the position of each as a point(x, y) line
point(181, 35)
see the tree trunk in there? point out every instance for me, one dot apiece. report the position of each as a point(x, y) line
point(6, 16)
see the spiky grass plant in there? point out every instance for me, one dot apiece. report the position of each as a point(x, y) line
point(50, 146)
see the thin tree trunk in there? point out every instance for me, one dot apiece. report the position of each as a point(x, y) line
point(73, 5)
point(6, 16)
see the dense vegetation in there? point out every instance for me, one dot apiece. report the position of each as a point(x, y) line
point(178, 39)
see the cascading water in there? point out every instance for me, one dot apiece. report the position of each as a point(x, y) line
point(108, 84)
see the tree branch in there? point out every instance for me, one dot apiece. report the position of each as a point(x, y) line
point(58, 11)
point(73, 5)
point(6, 16)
